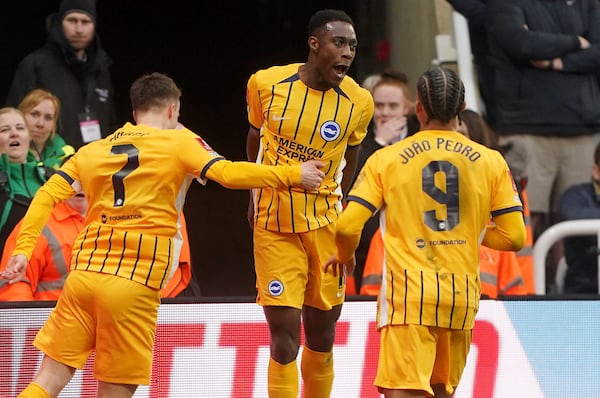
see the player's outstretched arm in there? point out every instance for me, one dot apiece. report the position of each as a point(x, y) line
point(247, 175)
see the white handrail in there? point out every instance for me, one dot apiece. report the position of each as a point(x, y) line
point(556, 232)
point(464, 60)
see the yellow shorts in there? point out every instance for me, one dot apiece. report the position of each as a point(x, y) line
point(114, 316)
point(415, 357)
point(289, 269)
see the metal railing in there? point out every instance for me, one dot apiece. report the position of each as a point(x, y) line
point(550, 236)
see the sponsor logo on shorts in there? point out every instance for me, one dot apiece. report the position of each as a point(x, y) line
point(330, 130)
point(275, 288)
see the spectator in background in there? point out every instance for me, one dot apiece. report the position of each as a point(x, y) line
point(182, 282)
point(41, 109)
point(475, 12)
point(582, 202)
point(393, 120)
point(546, 56)
point(51, 258)
point(370, 81)
point(500, 273)
point(474, 126)
point(74, 67)
point(20, 176)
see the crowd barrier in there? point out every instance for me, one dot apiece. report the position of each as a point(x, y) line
point(526, 348)
point(552, 235)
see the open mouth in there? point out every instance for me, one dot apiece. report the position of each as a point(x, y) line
point(14, 144)
point(340, 70)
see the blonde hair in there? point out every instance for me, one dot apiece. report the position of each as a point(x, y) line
point(10, 109)
point(33, 98)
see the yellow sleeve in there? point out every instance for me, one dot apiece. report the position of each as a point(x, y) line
point(55, 190)
point(253, 105)
point(201, 160)
point(349, 228)
point(507, 233)
point(246, 175)
point(367, 110)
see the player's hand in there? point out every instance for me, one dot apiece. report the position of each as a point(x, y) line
point(312, 176)
point(15, 269)
point(340, 267)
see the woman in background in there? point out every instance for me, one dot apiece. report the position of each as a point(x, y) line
point(41, 109)
point(20, 176)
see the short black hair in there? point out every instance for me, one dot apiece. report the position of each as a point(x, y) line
point(321, 17)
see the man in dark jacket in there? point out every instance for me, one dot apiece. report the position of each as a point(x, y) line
point(546, 57)
point(74, 67)
point(475, 12)
point(581, 202)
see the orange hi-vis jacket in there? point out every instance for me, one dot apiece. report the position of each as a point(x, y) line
point(499, 271)
point(373, 271)
point(350, 285)
point(525, 255)
point(50, 261)
point(183, 274)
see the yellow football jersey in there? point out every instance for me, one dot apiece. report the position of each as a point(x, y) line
point(135, 181)
point(298, 123)
point(436, 191)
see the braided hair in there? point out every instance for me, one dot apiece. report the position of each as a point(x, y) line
point(442, 94)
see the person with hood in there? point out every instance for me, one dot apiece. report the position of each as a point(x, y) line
point(72, 66)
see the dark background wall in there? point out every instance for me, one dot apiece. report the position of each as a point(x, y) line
point(210, 48)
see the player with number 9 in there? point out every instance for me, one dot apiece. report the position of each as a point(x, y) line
point(434, 210)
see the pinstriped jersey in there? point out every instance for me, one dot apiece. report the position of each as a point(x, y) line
point(298, 123)
point(436, 191)
point(135, 181)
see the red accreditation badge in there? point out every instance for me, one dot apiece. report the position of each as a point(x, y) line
point(206, 147)
point(204, 144)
